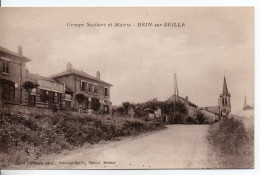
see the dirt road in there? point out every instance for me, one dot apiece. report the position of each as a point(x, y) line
point(178, 146)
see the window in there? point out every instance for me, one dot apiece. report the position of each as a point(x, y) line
point(6, 67)
point(106, 92)
point(43, 96)
point(90, 88)
point(106, 109)
point(83, 86)
point(95, 90)
point(8, 91)
point(32, 100)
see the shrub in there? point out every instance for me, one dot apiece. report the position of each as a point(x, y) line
point(80, 98)
point(178, 118)
point(25, 138)
point(201, 118)
point(231, 140)
point(28, 86)
point(95, 104)
point(190, 120)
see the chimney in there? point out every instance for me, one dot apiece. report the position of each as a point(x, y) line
point(186, 99)
point(69, 67)
point(98, 75)
point(20, 50)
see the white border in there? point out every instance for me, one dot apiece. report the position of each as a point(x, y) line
point(99, 3)
point(133, 3)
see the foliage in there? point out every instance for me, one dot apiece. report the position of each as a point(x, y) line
point(95, 104)
point(178, 118)
point(120, 110)
point(233, 143)
point(140, 109)
point(80, 98)
point(29, 86)
point(125, 105)
point(26, 137)
point(201, 118)
point(190, 120)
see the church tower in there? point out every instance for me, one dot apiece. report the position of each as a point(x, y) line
point(224, 100)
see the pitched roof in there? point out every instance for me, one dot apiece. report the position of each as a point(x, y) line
point(172, 98)
point(9, 52)
point(45, 82)
point(35, 77)
point(225, 89)
point(80, 73)
point(212, 109)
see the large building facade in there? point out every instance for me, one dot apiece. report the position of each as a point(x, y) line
point(12, 74)
point(57, 91)
point(93, 88)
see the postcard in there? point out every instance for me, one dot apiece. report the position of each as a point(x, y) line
point(127, 88)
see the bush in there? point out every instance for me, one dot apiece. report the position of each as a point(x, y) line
point(80, 98)
point(95, 104)
point(178, 118)
point(201, 118)
point(231, 140)
point(27, 137)
point(190, 120)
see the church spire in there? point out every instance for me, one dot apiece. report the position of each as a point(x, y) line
point(225, 89)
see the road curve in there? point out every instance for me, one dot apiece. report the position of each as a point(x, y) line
point(177, 147)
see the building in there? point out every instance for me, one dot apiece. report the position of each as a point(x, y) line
point(93, 88)
point(224, 100)
point(223, 108)
point(191, 107)
point(49, 93)
point(211, 113)
point(12, 74)
point(247, 106)
point(56, 91)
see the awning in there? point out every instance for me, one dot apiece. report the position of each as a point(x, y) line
point(4, 81)
point(6, 59)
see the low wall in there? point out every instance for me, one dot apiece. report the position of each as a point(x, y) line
point(22, 108)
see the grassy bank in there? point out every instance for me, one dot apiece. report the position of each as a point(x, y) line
point(26, 137)
point(233, 143)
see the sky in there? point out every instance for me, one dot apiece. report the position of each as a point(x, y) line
point(140, 62)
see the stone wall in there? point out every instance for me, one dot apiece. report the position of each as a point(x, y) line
point(25, 109)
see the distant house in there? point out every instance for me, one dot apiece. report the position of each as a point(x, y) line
point(12, 74)
point(93, 88)
point(211, 113)
point(191, 107)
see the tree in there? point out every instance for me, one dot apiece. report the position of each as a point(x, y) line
point(80, 98)
point(201, 118)
point(95, 104)
point(126, 105)
point(29, 86)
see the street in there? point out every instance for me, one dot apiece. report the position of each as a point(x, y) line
point(178, 146)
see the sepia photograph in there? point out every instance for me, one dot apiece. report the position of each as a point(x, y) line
point(127, 88)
